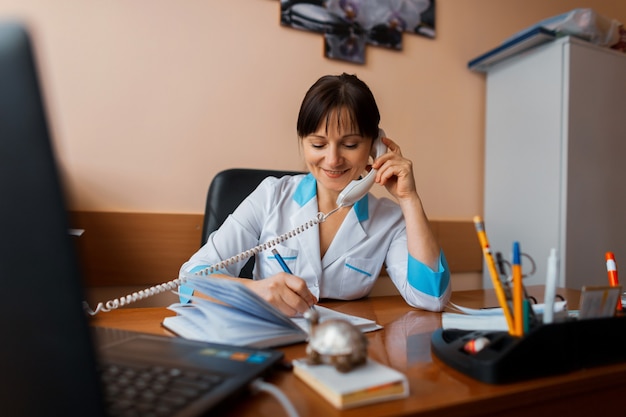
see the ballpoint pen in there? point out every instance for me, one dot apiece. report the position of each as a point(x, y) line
point(285, 268)
point(518, 291)
point(491, 266)
point(611, 269)
point(281, 261)
point(500, 263)
point(506, 285)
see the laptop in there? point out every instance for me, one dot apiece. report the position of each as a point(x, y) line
point(50, 362)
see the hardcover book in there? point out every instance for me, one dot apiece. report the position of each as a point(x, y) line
point(367, 384)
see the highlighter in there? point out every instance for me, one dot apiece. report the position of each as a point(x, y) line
point(611, 269)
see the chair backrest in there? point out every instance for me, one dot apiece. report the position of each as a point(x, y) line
point(227, 190)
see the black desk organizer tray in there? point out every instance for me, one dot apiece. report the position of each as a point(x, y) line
point(546, 350)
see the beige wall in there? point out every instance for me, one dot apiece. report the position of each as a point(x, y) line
point(150, 98)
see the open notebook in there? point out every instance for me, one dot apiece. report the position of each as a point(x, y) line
point(49, 362)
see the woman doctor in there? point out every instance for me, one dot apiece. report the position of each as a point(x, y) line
point(341, 257)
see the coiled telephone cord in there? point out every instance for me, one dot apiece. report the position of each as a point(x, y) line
point(175, 283)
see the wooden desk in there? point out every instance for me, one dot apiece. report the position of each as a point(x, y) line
point(436, 390)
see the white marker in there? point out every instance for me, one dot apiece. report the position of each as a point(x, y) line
point(550, 294)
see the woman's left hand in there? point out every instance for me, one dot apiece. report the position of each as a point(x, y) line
point(395, 172)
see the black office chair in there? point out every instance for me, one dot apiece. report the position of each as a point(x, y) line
point(227, 190)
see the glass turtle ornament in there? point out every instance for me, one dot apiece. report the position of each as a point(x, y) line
point(335, 342)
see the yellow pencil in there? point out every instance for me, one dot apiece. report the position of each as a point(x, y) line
point(495, 279)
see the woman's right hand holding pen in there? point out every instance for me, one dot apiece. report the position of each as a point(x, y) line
point(285, 291)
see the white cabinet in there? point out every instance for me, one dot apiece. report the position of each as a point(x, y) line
point(555, 159)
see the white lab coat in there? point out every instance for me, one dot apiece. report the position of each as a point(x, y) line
point(372, 233)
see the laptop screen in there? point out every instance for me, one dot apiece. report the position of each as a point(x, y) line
point(46, 363)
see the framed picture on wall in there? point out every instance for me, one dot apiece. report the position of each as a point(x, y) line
point(349, 26)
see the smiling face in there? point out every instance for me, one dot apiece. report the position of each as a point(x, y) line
point(337, 122)
point(336, 153)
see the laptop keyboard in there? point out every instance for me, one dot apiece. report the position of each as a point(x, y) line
point(152, 390)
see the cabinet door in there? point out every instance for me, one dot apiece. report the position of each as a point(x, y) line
point(596, 157)
point(523, 155)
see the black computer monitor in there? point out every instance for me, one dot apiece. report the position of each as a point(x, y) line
point(43, 331)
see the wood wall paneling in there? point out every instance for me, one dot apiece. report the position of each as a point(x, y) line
point(125, 249)
point(119, 249)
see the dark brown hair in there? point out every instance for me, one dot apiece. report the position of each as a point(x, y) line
point(332, 93)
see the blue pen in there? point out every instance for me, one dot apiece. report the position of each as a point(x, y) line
point(283, 265)
point(518, 291)
point(281, 261)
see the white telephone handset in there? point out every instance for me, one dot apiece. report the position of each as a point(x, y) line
point(358, 188)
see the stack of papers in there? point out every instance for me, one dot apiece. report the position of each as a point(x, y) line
point(490, 319)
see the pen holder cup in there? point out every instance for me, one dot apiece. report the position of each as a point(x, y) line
point(548, 349)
